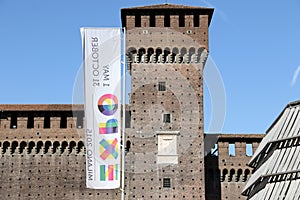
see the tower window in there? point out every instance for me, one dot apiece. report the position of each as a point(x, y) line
point(152, 20)
point(161, 86)
point(13, 121)
point(196, 21)
point(166, 182)
point(167, 118)
point(30, 121)
point(47, 121)
point(167, 20)
point(138, 22)
point(181, 21)
point(63, 121)
point(79, 121)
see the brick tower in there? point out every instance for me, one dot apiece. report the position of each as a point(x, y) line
point(167, 46)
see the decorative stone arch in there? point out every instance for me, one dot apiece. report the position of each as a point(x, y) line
point(246, 175)
point(238, 175)
point(47, 146)
point(72, 146)
point(31, 145)
point(192, 56)
point(14, 146)
point(39, 146)
point(231, 174)
point(183, 52)
point(174, 56)
point(166, 54)
point(131, 53)
point(80, 146)
point(141, 55)
point(150, 53)
point(63, 146)
point(200, 51)
point(158, 52)
point(22, 146)
point(5, 146)
point(224, 174)
point(55, 146)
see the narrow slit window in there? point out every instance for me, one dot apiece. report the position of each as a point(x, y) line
point(162, 86)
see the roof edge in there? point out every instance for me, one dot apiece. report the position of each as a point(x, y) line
point(290, 104)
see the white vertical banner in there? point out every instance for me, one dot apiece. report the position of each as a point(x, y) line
point(102, 81)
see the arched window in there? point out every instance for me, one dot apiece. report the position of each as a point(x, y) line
point(128, 145)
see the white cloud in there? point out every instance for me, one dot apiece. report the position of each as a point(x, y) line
point(296, 74)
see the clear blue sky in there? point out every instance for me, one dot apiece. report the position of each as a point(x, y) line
point(255, 45)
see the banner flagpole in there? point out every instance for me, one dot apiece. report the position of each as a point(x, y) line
point(124, 110)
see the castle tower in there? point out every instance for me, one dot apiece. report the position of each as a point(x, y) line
point(167, 46)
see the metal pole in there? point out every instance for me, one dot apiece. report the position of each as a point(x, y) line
point(124, 109)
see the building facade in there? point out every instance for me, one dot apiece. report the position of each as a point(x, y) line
point(276, 161)
point(167, 46)
point(226, 169)
point(42, 146)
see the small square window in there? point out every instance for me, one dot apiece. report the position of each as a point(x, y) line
point(161, 86)
point(166, 182)
point(167, 118)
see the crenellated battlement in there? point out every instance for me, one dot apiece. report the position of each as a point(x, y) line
point(40, 117)
point(226, 165)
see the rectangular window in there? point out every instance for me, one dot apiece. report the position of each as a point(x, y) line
point(166, 183)
point(167, 20)
point(152, 20)
point(196, 20)
point(47, 121)
point(79, 121)
point(30, 121)
point(138, 21)
point(167, 118)
point(63, 121)
point(161, 86)
point(13, 122)
point(181, 20)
